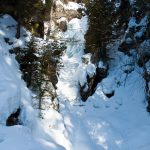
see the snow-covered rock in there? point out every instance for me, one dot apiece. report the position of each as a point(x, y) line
point(91, 70)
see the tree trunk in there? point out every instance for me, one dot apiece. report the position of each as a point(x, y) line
point(40, 29)
point(18, 30)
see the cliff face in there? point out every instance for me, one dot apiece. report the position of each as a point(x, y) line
point(61, 13)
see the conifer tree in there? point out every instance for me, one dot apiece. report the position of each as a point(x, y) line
point(100, 24)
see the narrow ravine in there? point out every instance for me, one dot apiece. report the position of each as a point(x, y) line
point(88, 77)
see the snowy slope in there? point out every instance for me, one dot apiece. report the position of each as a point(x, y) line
point(10, 76)
point(14, 94)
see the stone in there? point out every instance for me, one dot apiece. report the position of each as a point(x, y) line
point(86, 58)
point(13, 118)
point(63, 25)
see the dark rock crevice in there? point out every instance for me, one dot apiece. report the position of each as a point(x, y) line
point(89, 88)
point(13, 119)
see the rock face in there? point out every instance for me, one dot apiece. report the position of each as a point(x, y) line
point(62, 9)
point(89, 88)
point(61, 13)
point(13, 119)
point(94, 76)
point(62, 24)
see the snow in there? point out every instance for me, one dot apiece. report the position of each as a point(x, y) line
point(132, 22)
point(101, 123)
point(142, 25)
point(145, 46)
point(91, 70)
point(14, 94)
point(143, 22)
point(112, 123)
point(107, 85)
point(19, 137)
point(13, 90)
point(68, 85)
point(73, 6)
point(101, 65)
point(83, 71)
point(43, 1)
point(129, 40)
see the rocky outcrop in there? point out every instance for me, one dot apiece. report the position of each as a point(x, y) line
point(87, 89)
point(63, 26)
point(13, 119)
point(61, 14)
point(100, 73)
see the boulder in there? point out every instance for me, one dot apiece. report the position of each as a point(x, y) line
point(87, 89)
point(86, 58)
point(13, 119)
point(107, 86)
point(62, 24)
point(99, 73)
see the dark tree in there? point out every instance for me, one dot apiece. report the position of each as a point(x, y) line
point(27, 13)
point(101, 17)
